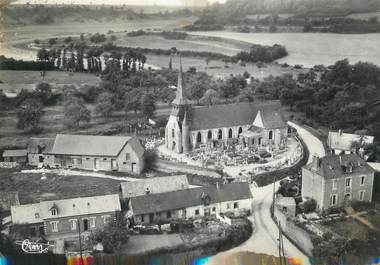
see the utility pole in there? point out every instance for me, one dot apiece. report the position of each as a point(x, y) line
point(274, 193)
point(281, 250)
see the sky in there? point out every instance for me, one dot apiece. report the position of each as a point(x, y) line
point(125, 2)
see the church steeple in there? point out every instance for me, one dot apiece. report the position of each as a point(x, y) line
point(180, 98)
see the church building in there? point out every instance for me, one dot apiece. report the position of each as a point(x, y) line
point(250, 124)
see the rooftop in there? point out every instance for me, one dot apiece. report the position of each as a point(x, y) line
point(337, 166)
point(189, 197)
point(154, 185)
point(228, 115)
point(37, 212)
point(89, 145)
point(15, 153)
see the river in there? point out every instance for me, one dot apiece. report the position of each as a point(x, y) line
point(309, 49)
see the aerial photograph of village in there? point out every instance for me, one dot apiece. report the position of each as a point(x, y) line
point(165, 132)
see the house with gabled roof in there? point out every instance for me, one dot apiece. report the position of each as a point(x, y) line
point(63, 217)
point(116, 153)
point(190, 126)
point(192, 203)
point(335, 180)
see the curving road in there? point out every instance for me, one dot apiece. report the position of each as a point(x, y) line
point(264, 238)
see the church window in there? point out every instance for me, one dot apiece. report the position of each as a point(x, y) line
point(199, 137)
point(230, 133)
point(173, 133)
point(270, 135)
point(209, 135)
point(240, 130)
point(220, 134)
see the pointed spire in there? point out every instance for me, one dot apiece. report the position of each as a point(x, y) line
point(179, 98)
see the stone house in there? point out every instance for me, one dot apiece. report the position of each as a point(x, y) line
point(190, 126)
point(191, 203)
point(108, 153)
point(335, 180)
point(62, 217)
point(38, 149)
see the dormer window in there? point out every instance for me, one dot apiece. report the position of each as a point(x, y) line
point(53, 211)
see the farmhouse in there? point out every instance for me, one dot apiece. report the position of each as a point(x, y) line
point(63, 217)
point(15, 155)
point(190, 127)
point(191, 203)
point(117, 153)
point(347, 143)
point(335, 180)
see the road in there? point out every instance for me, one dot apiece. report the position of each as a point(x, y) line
point(264, 237)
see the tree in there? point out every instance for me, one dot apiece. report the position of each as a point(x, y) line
point(148, 105)
point(76, 112)
point(112, 237)
point(105, 105)
point(68, 39)
point(29, 114)
point(52, 41)
point(43, 91)
point(132, 100)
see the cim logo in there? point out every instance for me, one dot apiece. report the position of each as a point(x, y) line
point(34, 247)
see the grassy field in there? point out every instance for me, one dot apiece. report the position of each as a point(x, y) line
point(191, 43)
point(350, 228)
point(32, 189)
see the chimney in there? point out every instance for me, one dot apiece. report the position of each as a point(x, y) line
point(340, 132)
point(316, 162)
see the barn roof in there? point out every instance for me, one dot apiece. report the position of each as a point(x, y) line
point(15, 153)
point(180, 199)
point(90, 145)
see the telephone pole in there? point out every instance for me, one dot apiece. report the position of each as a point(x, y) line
point(80, 241)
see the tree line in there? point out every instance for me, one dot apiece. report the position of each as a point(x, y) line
point(12, 64)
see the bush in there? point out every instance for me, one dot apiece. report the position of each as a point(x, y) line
point(308, 206)
point(360, 206)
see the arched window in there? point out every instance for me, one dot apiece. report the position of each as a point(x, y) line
point(209, 135)
point(199, 137)
point(230, 133)
point(240, 130)
point(270, 135)
point(220, 134)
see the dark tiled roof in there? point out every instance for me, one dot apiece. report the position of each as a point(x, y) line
point(93, 145)
point(45, 143)
point(227, 115)
point(173, 200)
point(333, 166)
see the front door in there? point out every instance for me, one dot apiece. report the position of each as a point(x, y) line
point(96, 163)
point(114, 164)
point(151, 218)
point(207, 211)
point(133, 167)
